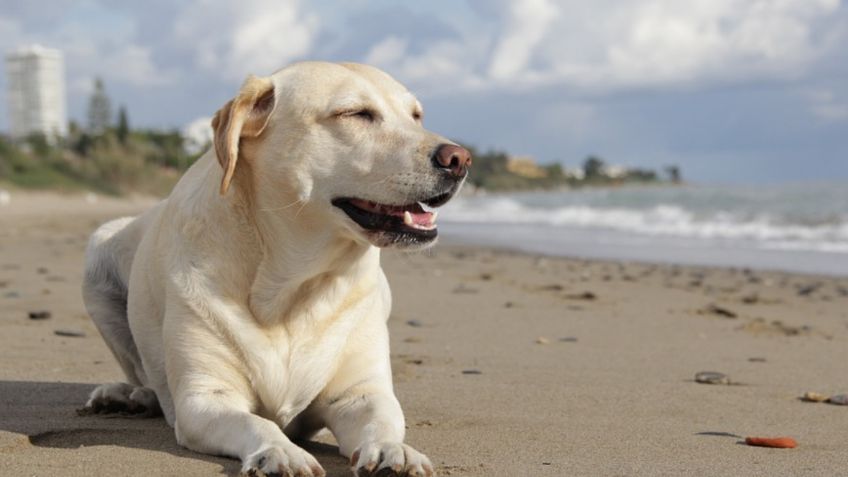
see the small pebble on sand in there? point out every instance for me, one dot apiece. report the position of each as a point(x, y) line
point(414, 323)
point(807, 290)
point(471, 371)
point(757, 359)
point(552, 287)
point(713, 309)
point(587, 295)
point(69, 333)
point(569, 339)
point(811, 396)
point(39, 315)
point(711, 377)
point(542, 340)
point(461, 288)
point(839, 400)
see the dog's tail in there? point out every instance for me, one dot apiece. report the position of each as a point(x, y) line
point(108, 259)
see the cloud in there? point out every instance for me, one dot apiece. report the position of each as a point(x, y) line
point(664, 42)
point(232, 39)
point(198, 134)
point(528, 23)
point(390, 50)
point(129, 64)
point(825, 105)
point(610, 45)
point(109, 52)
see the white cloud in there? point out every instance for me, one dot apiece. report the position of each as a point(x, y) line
point(128, 63)
point(389, 50)
point(447, 65)
point(198, 134)
point(664, 41)
point(611, 45)
point(528, 22)
point(233, 39)
point(88, 53)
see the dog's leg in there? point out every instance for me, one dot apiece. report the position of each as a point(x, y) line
point(104, 293)
point(368, 424)
point(215, 400)
point(220, 422)
point(360, 408)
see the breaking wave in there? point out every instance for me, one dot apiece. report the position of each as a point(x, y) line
point(763, 229)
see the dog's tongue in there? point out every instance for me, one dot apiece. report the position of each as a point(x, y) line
point(424, 219)
point(412, 214)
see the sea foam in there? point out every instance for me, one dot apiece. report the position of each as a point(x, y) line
point(763, 229)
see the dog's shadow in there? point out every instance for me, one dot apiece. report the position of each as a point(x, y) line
point(46, 414)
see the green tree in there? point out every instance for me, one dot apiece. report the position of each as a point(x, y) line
point(674, 174)
point(99, 109)
point(593, 167)
point(123, 125)
point(554, 173)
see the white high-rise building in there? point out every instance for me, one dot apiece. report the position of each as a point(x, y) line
point(36, 92)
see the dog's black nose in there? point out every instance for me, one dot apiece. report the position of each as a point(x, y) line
point(455, 159)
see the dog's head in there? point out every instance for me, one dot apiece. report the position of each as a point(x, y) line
point(339, 146)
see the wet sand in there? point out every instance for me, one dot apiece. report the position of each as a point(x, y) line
point(505, 363)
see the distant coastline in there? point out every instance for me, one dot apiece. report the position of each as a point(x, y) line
point(498, 171)
point(116, 160)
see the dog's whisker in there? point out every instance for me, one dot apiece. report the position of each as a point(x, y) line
point(296, 214)
point(273, 209)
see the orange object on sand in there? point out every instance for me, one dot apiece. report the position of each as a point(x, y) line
point(778, 442)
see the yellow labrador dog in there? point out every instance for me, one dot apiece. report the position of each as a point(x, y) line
point(250, 306)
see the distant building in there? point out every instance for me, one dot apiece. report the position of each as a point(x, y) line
point(525, 166)
point(36, 92)
point(577, 174)
point(614, 171)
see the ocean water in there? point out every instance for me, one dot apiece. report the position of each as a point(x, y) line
point(792, 227)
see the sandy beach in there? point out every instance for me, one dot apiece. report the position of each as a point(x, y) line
point(506, 364)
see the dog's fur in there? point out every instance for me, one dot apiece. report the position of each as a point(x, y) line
point(246, 306)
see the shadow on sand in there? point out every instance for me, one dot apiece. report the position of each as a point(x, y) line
point(46, 414)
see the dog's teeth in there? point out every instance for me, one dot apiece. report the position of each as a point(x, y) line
point(435, 214)
point(407, 217)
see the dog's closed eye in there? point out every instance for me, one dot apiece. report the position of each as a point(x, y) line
point(365, 114)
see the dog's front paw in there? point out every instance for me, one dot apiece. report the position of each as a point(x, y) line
point(285, 460)
point(390, 459)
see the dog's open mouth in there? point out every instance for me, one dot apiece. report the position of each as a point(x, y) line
point(411, 221)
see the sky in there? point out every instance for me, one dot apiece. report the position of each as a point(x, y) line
point(733, 91)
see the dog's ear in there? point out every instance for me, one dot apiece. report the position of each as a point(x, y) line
point(243, 117)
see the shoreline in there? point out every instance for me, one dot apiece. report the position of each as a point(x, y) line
point(812, 263)
point(464, 244)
